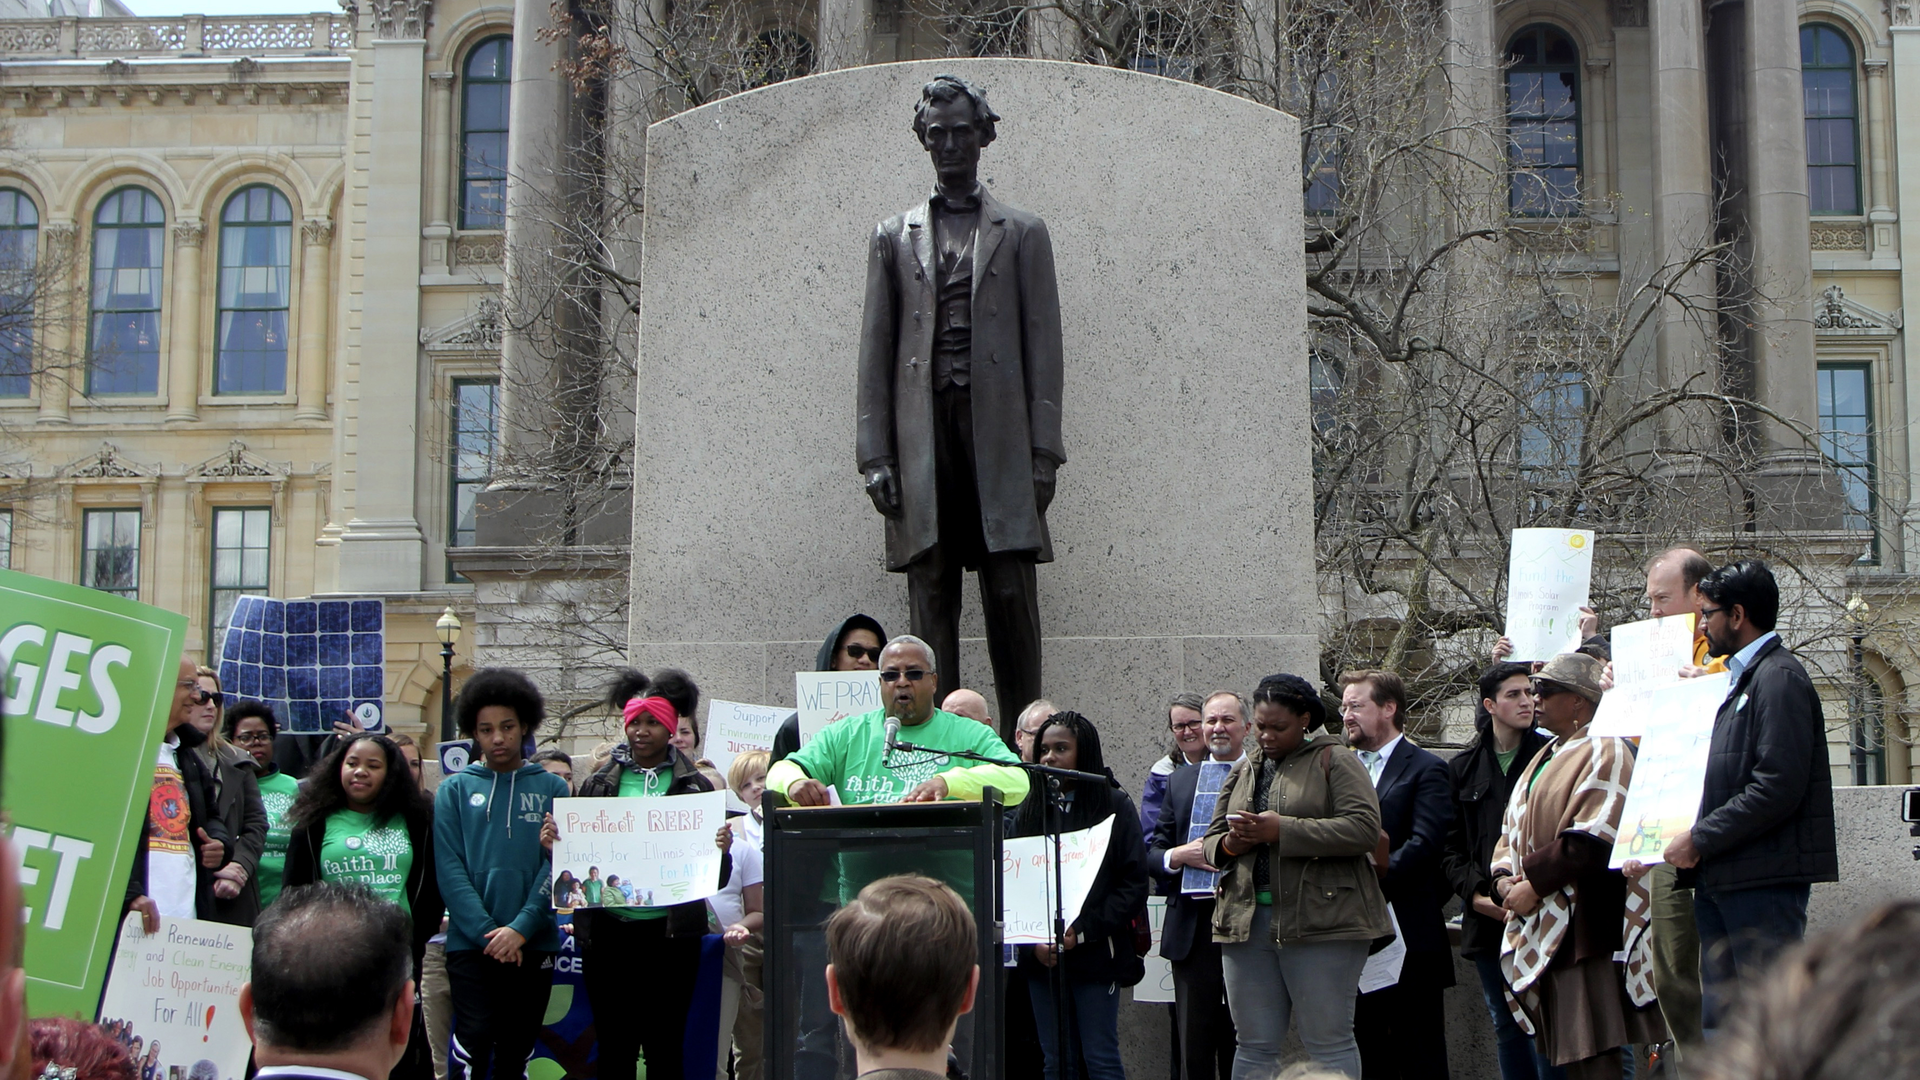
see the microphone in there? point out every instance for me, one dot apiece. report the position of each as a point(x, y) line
point(893, 732)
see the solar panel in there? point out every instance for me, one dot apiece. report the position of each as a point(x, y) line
point(314, 661)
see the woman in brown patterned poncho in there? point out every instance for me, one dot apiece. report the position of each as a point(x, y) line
point(1567, 913)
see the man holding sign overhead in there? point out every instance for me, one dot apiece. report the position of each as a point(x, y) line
point(854, 758)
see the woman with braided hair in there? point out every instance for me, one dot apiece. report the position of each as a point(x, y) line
point(1099, 956)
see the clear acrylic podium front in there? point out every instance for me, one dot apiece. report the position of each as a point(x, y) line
point(818, 858)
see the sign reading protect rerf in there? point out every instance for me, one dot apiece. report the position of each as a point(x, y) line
point(88, 679)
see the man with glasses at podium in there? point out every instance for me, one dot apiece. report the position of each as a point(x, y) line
point(854, 756)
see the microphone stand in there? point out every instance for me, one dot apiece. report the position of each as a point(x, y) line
point(1057, 976)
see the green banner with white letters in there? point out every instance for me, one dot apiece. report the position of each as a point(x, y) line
point(88, 679)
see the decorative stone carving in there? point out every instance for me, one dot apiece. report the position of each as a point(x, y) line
point(316, 232)
point(1899, 12)
point(16, 470)
point(259, 34)
point(1629, 12)
point(1839, 237)
point(60, 236)
point(479, 250)
point(403, 20)
point(238, 464)
point(189, 234)
point(25, 36)
point(132, 35)
point(1836, 311)
point(478, 332)
point(108, 465)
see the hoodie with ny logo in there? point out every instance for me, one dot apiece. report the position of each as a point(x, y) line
point(486, 846)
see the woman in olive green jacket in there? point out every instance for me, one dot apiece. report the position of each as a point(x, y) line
point(1299, 904)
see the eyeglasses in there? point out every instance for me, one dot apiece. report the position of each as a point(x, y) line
point(1709, 612)
point(251, 738)
point(201, 696)
point(911, 675)
point(864, 652)
point(1192, 725)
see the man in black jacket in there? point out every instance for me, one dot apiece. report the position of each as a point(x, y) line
point(1207, 1037)
point(183, 842)
point(1765, 830)
point(1402, 1029)
point(1484, 775)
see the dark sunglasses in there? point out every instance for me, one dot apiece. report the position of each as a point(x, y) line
point(201, 695)
point(911, 675)
point(869, 652)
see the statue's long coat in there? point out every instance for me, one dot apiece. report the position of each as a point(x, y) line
point(1016, 375)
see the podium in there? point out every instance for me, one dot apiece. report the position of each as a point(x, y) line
point(819, 858)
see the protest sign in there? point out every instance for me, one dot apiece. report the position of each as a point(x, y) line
point(1026, 871)
point(178, 992)
point(1157, 985)
point(733, 729)
point(1652, 651)
point(826, 696)
point(638, 852)
point(1548, 573)
point(454, 756)
point(1671, 767)
point(89, 678)
point(1206, 792)
point(1383, 968)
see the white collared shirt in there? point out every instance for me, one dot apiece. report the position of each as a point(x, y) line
point(270, 1072)
point(1738, 662)
point(1379, 763)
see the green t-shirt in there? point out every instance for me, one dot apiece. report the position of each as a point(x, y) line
point(642, 785)
point(357, 852)
point(1505, 758)
point(592, 887)
point(276, 794)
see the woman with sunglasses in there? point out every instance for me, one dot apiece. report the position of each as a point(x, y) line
point(252, 727)
point(237, 804)
point(361, 819)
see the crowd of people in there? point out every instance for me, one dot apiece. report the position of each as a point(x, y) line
point(1291, 842)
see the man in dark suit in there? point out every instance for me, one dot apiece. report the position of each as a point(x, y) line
point(1402, 1028)
point(959, 409)
point(1207, 1038)
point(1765, 831)
point(331, 996)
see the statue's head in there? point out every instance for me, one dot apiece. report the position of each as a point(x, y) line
point(947, 89)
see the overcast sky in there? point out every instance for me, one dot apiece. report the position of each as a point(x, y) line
point(230, 7)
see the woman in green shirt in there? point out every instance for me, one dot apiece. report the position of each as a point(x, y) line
point(251, 726)
point(361, 819)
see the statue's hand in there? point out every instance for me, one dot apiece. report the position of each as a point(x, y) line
point(884, 489)
point(1042, 482)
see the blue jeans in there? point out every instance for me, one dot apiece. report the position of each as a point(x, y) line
point(1518, 1059)
point(1315, 983)
point(1740, 932)
point(1094, 1021)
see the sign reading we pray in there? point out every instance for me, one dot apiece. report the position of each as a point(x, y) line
point(637, 852)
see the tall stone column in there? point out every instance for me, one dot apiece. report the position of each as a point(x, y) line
point(844, 26)
point(316, 235)
point(381, 546)
point(1682, 201)
point(1879, 125)
point(440, 152)
point(1596, 104)
point(61, 364)
point(183, 358)
point(1777, 212)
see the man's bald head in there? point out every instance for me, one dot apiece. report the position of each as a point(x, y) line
point(970, 704)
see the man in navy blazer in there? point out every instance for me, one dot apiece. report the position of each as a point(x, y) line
point(1402, 1028)
point(1207, 1036)
point(331, 996)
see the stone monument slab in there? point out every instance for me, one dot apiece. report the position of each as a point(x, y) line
point(1183, 524)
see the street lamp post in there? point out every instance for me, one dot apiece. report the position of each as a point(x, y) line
point(448, 631)
point(1860, 725)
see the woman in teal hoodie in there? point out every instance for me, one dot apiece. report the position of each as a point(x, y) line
point(493, 876)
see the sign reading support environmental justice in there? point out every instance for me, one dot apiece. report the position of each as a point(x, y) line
point(178, 991)
point(88, 677)
point(1548, 575)
point(637, 852)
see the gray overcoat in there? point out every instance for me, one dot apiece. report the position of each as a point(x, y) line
point(1016, 375)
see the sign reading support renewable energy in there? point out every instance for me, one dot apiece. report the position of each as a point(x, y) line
point(88, 678)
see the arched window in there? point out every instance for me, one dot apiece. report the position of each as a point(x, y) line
point(256, 278)
point(19, 247)
point(123, 347)
point(1543, 123)
point(1833, 130)
point(483, 134)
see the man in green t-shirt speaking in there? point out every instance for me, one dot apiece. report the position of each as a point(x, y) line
point(851, 755)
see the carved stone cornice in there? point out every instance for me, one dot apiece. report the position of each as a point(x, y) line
point(1835, 310)
point(401, 20)
point(479, 332)
point(107, 464)
point(238, 464)
point(316, 232)
point(189, 234)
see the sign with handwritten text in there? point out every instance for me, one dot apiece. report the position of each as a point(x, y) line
point(175, 995)
point(1670, 770)
point(1026, 871)
point(826, 696)
point(1652, 651)
point(1157, 986)
point(733, 729)
point(1548, 575)
point(637, 852)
